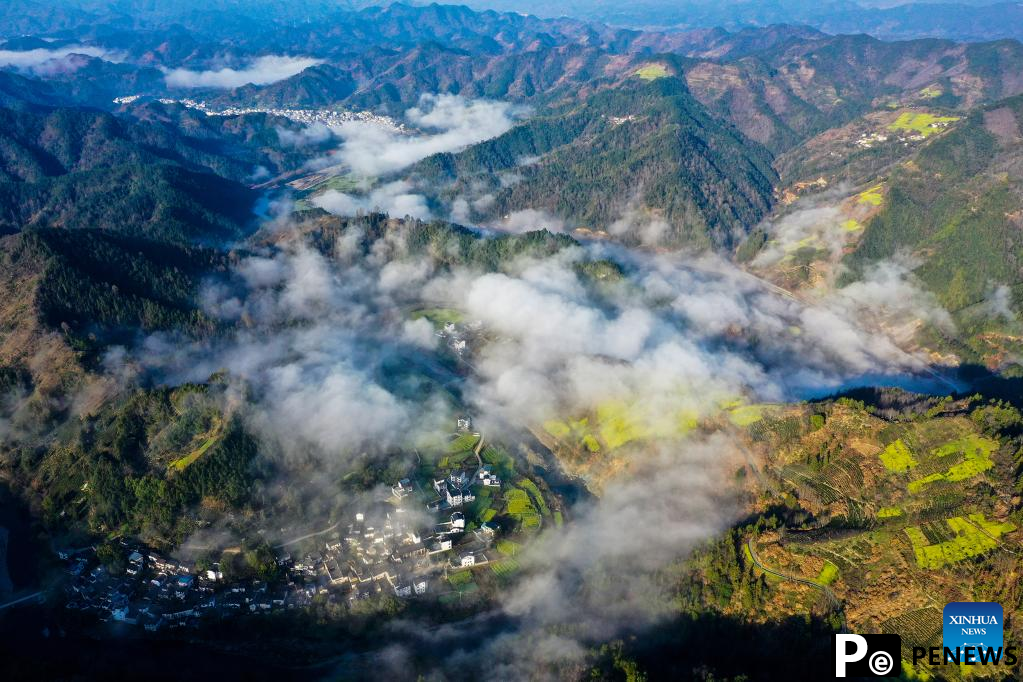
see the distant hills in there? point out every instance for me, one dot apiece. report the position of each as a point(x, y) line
point(645, 152)
point(956, 19)
point(957, 206)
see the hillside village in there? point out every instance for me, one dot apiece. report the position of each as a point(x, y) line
point(436, 524)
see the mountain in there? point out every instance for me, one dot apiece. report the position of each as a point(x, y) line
point(77, 168)
point(952, 20)
point(956, 208)
point(70, 293)
point(799, 88)
point(642, 153)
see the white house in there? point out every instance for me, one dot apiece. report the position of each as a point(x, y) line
point(402, 489)
point(467, 559)
point(488, 478)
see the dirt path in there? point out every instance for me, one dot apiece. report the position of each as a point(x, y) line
point(823, 589)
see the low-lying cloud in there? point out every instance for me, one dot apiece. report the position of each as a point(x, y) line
point(261, 71)
point(47, 61)
point(394, 198)
point(447, 123)
point(335, 368)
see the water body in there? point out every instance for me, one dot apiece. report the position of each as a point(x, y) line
point(935, 384)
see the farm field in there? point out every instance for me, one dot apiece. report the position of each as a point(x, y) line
point(976, 451)
point(973, 536)
point(871, 196)
point(897, 457)
point(616, 424)
point(651, 72)
point(922, 123)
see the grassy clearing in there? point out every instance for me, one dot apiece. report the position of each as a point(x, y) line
point(897, 457)
point(889, 512)
point(488, 515)
point(976, 450)
point(210, 438)
point(973, 536)
point(462, 581)
point(922, 123)
point(828, 574)
point(852, 225)
point(650, 72)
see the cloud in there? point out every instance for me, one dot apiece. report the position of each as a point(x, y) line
point(818, 227)
point(262, 71)
point(393, 198)
point(999, 304)
point(448, 123)
point(309, 349)
point(649, 230)
point(335, 369)
point(45, 61)
point(530, 219)
point(311, 135)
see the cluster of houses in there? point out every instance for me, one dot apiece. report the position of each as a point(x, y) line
point(390, 548)
point(381, 551)
point(906, 137)
point(328, 117)
point(868, 140)
point(458, 337)
point(157, 592)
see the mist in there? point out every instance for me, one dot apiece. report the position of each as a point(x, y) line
point(261, 71)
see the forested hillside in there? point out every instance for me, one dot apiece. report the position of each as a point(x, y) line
point(957, 208)
point(645, 152)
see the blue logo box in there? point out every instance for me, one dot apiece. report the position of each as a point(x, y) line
point(975, 624)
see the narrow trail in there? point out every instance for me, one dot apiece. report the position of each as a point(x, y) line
point(35, 595)
point(823, 589)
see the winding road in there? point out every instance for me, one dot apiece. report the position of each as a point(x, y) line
point(824, 589)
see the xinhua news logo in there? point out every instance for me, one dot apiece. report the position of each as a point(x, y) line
point(867, 655)
point(973, 628)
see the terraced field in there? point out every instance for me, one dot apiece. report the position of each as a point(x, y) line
point(972, 536)
point(976, 453)
point(897, 457)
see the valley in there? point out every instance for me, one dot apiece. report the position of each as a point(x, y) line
point(433, 343)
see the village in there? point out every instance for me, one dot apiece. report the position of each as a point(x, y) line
point(435, 524)
point(327, 117)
